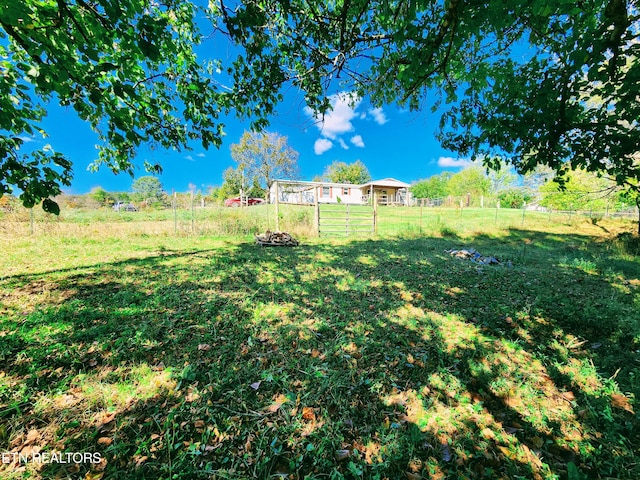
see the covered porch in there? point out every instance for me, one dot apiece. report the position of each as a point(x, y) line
point(387, 191)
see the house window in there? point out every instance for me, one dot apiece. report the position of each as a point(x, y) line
point(326, 191)
point(345, 191)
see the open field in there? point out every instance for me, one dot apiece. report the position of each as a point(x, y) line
point(179, 356)
point(296, 219)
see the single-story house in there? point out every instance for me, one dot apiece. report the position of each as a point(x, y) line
point(387, 191)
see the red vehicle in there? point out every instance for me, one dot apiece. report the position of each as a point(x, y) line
point(235, 202)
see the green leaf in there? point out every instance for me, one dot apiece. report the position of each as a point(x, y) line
point(50, 206)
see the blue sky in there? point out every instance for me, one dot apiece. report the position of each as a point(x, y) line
point(390, 141)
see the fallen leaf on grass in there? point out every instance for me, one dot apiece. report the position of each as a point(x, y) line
point(308, 413)
point(94, 476)
point(32, 437)
point(255, 385)
point(372, 453)
point(620, 401)
point(311, 427)
point(30, 450)
point(191, 397)
point(105, 441)
point(247, 444)
point(277, 403)
point(204, 347)
point(199, 424)
point(105, 419)
point(317, 354)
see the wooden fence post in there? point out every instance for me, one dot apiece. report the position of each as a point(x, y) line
point(375, 216)
point(175, 213)
point(193, 219)
point(277, 206)
point(316, 210)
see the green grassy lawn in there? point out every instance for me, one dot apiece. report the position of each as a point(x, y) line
point(176, 356)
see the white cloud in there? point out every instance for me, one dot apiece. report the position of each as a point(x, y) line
point(189, 157)
point(378, 115)
point(322, 145)
point(201, 155)
point(357, 141)
point(343, 144)
point(338, 120)
point(453, 162)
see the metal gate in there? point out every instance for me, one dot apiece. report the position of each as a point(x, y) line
point(346, 219)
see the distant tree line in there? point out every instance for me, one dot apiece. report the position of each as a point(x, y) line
point(263, 157)
point(580, 190)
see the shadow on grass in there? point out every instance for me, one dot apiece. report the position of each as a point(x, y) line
point(369, 359)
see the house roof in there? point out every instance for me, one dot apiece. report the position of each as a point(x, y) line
point(386, 182)
point(327, 184)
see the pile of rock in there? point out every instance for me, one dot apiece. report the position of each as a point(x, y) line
point(475, 256)
point(276, 239)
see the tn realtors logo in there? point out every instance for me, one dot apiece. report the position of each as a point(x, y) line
point(50, 457)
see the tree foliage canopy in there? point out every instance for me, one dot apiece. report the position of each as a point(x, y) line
point(232, 186)
point(148, 189)
point(264, 156)
point(582, 190)
point(543, 82)
point(127, 68)
point(101, 196)
point(432, 187)
point(355, 173)
point(471, 180)
point(550, 82)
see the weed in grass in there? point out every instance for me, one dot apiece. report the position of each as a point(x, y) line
point(627, 243)
point(587, 266)
point(448, 232)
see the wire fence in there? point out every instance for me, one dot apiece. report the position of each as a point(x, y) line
point(598, 207)
point(181, 218)
point(483, 213)
point(187, 217)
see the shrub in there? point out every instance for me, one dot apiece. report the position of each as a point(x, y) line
point(628, 243)
point(513, 198)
